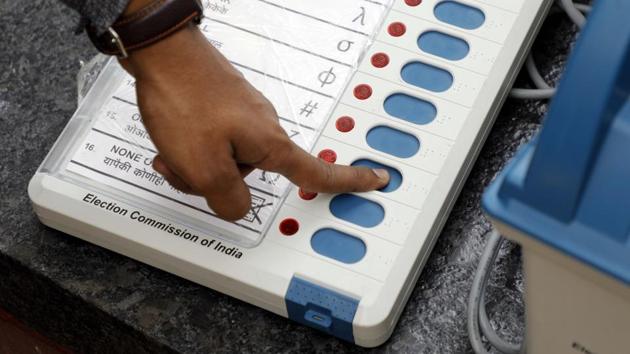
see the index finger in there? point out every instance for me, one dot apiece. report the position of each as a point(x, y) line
point(316, 175)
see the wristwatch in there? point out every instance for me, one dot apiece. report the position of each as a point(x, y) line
point(146, 26)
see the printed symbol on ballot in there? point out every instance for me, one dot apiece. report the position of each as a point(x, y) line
point(344, 45)
point(297, 137)
point(258, 203)
point(293, 133)
point(308, 108)
point(327, 77)
point(360, 17)
point(269, 178)
point(111, 115)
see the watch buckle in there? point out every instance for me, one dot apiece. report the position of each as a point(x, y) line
point(118, 42)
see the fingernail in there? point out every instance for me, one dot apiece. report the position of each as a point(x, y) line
point(381, 173)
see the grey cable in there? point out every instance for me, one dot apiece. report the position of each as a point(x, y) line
point(583, 7)
point(476, 292)
point(572, 11)
point(491, 335)
point(534, 74)
point(532, 94)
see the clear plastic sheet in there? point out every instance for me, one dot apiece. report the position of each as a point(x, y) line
point(300, 54)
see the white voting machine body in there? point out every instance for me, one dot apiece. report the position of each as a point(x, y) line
point(411, 86)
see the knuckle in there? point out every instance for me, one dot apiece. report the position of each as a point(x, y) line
point(322, 179)
point(276, 151)
point(203, 181)
point(282, 144)
point(328, 174)
point(260, 103)
point(359, 175)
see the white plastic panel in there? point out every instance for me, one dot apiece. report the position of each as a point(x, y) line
point(447, 123)
point(416, 183)
point(465, 87)
point(396, 248)
point(482, 55)
point(495, 28)
point(512, 5)
point(376, 263)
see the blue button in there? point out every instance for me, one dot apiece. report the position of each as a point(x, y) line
point(409, 108)
point(427, 76)
point(393, 141)
point(338, 245)
point(460, 15)
point(443, 45)
point(357, 210)
point(395, 178)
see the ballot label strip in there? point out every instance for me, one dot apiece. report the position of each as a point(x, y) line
point(311, 52)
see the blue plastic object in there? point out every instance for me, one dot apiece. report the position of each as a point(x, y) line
point(321, 308)
point(392, 141)
point(570, 188)
point(395, 177)
point(427, 77)
point(357, 210)
point(409, 108)
point(338, 245)
point(460, 15)
point(443, 45)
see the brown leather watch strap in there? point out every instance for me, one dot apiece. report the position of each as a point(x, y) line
point(146, 26)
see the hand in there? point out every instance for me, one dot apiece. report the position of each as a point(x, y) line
point(212, 128)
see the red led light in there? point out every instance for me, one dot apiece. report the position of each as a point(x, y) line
point(306, 195)
point(328, 155)
point(362, 91)
point(344, 124)
point(413, 2)
point(396, 29)
point(289, 226)
point(380, 60)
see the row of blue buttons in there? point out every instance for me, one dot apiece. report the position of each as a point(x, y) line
point(366, 213)
point(430, 77)
point(425, 76)
point(409, 108)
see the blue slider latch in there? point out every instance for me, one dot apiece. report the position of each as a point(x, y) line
point(318, 317)
point(321, 308)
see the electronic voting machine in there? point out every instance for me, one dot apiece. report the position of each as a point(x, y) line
point(412, 86)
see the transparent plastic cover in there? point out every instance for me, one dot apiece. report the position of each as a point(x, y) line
point(299, 53)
